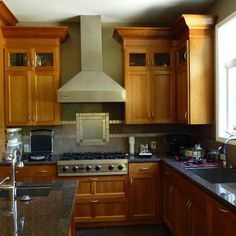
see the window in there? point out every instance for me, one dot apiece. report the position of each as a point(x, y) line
point(226, 78)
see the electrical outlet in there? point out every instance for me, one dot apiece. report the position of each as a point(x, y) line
point(153, 145)
point(26, 148)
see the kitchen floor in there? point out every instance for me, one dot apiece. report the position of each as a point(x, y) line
point(136, 230)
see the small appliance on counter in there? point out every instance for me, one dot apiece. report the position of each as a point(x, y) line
point(144, 151)
point(41, 145)
point(14, 140)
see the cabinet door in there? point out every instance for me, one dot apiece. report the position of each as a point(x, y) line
point(137, 106)
point(45, 58)
point(169, 200)
point(143, 197)
point(163, 97)
point(137, 59)
point(45, 109)
point(221, 220)
point(17, 59)
point(182, 83)
point(182, 96)
point(18, 98)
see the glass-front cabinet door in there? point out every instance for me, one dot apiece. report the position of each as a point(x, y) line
point(44, 58)
point(136, 59)
point(162, 59)
point(17, 59)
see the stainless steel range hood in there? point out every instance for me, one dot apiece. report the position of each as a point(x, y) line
point(91, 84)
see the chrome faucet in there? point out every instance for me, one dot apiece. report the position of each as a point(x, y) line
point(16, 161)
point(223, 149)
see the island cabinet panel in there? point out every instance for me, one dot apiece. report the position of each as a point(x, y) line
point(144, 192)
point(222, 221)
point(31, 173)
point(101, 199)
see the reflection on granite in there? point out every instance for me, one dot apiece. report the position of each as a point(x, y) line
point(227, 191)
point(42, 215)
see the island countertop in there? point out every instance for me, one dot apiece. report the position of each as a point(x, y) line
point(42, 215)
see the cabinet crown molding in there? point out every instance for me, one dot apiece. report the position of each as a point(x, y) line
point(61, 33)
point(6, 15)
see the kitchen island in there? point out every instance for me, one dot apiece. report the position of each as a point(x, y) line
point(49, 212)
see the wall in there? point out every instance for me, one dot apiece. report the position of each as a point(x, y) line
point(222, 8)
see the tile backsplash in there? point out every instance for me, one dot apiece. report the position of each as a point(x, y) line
point(65, 137)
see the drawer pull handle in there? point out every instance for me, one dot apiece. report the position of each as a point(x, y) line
point(222, 210)
point(144, 168)
point(94, 179)
point(42, 171)
point(93, 201)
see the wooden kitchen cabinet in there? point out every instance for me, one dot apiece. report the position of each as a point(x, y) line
point(169, 192)
point(194, 70)
point(144, 192)
point(184, 205)
point(149, 75)
point(31, 173)
point(101, 199)
point(32, 75)
point(221, 220)
point(191, 209)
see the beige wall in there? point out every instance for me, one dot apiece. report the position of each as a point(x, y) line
point(222, 8)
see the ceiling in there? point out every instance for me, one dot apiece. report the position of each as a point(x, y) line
point(112, 11)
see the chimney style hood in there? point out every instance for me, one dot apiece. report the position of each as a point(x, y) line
point(91, 84)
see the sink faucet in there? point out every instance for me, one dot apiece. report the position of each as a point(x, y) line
point(16, 161)
point(223, 149)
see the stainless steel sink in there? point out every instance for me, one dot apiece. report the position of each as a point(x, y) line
point(215, 175)
point(30, 190)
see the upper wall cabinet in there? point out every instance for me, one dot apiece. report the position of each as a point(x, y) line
point(149, 74)
point(168, 72)
point(32, 74)
point(194, 36)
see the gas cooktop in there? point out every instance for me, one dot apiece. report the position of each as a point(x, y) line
point(93, 156)
point(92, 163)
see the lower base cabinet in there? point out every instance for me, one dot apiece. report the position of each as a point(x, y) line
point(222, 221)
point(101, 199)
point(184, 205)
point(144, 192)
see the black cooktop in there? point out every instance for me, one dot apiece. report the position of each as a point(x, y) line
point(93, 156)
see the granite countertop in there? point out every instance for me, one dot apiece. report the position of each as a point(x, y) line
point(42, 215)
point(225, 192)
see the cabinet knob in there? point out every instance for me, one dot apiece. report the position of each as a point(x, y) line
point(41, 171)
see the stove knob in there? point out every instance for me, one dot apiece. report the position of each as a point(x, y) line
point(111, 167)
point(65, 169)
point(97, 167)
point(75, 168)
point(120, 167)
point(88, 168)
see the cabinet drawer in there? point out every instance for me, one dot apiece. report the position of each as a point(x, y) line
point(144, 168)
point(41, 171)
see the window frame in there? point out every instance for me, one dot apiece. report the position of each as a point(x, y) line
point(229, 64)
